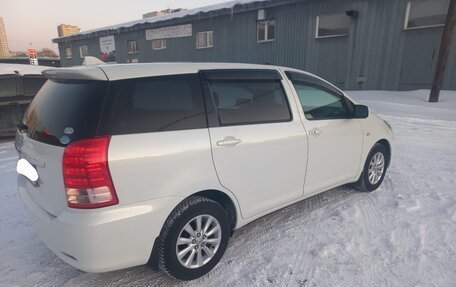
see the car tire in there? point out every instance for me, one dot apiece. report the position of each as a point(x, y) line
point(196, 243)
point(374, 169)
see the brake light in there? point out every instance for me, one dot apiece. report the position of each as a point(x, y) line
point(88, 182)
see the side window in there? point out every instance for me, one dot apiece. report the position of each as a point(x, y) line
point(250, 101)
point(318, 99)
point(32, 84)
point(69, 53)
point(83, 51)
point(335, 25)
point(132, 47)
point(426, 14)
point(158, 44)
point(8, 87)
point(205, 39)
point(265, 31)
point(320, 104)
point(154, 104)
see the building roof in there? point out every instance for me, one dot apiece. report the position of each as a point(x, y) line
point(191, 12)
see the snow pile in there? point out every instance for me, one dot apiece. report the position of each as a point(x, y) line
point(403, 234)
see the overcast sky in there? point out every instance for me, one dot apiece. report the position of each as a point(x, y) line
point(35, 21)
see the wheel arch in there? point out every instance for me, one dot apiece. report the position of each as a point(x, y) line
point(224, 200)
point(387, 145)
point(227, 203)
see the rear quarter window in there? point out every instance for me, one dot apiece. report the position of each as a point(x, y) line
point(154, 104)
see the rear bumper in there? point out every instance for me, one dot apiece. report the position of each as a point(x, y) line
point(104, 239)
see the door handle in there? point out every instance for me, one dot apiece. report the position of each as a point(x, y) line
point(229, 141)
point(315, 132)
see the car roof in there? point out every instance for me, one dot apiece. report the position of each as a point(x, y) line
point(113, 72)
point(21, 69)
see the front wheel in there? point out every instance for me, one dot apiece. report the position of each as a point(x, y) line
point(194, 238)
point(374, 169)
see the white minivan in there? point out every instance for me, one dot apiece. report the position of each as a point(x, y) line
point(123, 165)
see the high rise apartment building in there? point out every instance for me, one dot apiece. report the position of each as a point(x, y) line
point(65, 30)
point(4, 50)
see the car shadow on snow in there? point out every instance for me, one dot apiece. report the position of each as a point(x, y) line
point(260, 231)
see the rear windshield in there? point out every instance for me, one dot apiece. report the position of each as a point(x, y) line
point(64, 112)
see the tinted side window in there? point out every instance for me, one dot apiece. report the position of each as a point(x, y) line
point(154, 104)
point(8, 87)
point(32, 85)
point(320, 104)
point(250, 101)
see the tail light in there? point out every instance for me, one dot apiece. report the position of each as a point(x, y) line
point(88, 183)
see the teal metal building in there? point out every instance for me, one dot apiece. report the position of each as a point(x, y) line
point(356, 44)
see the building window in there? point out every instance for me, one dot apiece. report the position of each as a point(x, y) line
point(69, 53)
point(426, 14)
point(204, 40)
point(158, 44)
point(83, 51)
point(132, 47)
point(336, 25)
point(265, 31)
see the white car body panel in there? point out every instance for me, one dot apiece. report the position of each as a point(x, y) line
point(334, 155)
point(47, 160)
point(100, 240)
point(274, 165)
point(270, 157)
point(375, 130)
point(138, 164)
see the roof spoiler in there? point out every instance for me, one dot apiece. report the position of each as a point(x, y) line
point(90, 73)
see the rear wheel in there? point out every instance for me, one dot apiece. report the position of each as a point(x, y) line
point(194, 238)
point(374, 169)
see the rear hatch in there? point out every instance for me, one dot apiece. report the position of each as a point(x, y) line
point(63, 111)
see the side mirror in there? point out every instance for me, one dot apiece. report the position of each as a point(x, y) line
point(360, 112)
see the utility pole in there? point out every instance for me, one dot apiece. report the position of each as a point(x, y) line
point(443, 52)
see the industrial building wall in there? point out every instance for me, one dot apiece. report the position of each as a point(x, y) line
point(377, 54)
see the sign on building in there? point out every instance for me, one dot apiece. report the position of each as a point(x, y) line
point(169, 32)
point(107, 49)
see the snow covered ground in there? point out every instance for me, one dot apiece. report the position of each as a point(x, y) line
point(403, 234)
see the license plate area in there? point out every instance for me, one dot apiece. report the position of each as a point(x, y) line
point(25, 168)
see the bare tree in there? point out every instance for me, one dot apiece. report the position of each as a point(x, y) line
point(46, 52)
